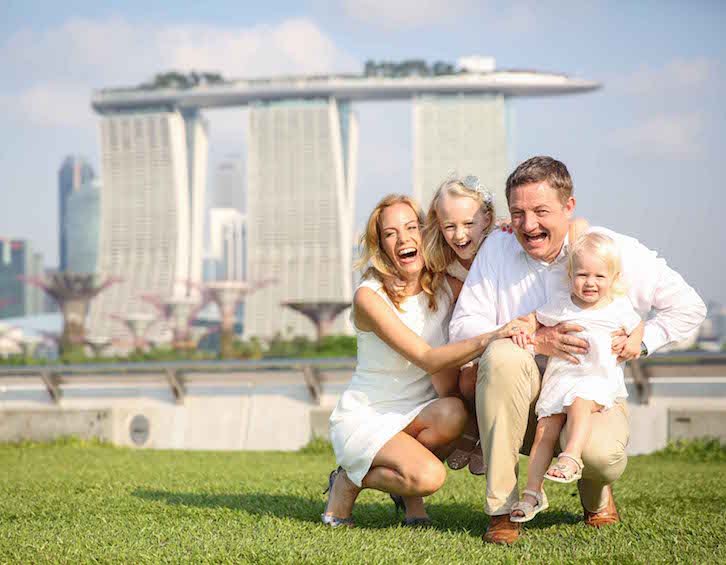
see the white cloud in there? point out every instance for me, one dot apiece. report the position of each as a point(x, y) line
point(50, 74)
point(399, 15)
point(678, 75)
point(663, 136)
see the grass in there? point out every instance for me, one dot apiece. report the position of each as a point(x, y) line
point(84, 502)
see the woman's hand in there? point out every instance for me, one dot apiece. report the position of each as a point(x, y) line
point(522, 327)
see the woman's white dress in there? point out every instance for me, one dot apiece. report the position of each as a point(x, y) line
point(598, 377)
point(386, 391)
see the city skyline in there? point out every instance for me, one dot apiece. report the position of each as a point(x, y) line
point(634, 148)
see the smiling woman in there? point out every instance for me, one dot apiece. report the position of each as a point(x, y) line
point(391, 417)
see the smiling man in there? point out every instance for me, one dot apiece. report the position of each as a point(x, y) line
point(513, 277)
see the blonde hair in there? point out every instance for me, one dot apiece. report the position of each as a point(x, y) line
point(374, 259)
point(604, 248)
point(437, 252)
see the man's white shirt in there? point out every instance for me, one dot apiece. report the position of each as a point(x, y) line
point(504, 283)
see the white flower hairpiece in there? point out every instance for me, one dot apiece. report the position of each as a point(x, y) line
point(473, 183)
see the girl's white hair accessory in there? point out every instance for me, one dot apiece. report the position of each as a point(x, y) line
point(473, 183)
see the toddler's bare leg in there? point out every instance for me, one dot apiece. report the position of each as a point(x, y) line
point(540, 456)
point(579, 425)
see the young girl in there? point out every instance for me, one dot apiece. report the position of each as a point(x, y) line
point(571, 392)
point(459, 219)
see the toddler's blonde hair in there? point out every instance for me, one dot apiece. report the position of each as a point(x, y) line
point(437, 252)
point(604, 248)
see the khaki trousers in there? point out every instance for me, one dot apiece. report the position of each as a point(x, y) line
point(508, 384)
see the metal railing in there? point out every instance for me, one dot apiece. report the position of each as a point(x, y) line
point(176, 373)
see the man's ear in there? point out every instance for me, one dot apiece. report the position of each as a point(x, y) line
point(570, 206)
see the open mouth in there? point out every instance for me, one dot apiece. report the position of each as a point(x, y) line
point(408, 255)
point(463, 246)
point(535, 238)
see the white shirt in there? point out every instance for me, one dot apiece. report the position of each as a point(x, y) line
point(504, 283)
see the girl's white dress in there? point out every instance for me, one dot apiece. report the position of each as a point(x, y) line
point(598, 377)
point(386, 391)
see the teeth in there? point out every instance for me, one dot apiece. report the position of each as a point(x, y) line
point(406, 251)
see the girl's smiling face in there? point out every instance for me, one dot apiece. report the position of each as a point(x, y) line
point(463, 222)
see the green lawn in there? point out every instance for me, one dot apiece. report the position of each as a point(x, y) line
point(76, 503)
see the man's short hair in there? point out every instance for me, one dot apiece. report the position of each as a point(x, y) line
point(540, 169)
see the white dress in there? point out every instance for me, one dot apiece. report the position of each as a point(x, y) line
point(386, 391)
point(598, 377)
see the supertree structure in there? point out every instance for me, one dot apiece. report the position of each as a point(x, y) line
point(138, 324)
point(322, 314)
point(178, 314)
point(227, 295)
point(73, 293)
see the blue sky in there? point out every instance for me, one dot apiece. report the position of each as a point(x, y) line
point(644, 151)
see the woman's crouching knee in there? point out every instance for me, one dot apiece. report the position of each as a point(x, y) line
point(428, 477)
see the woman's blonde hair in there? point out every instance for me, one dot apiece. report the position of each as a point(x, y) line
point(437, 252)
point(374, 259)
point(604, 248)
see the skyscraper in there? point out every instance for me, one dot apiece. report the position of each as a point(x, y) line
point(301, 192)
point(229, 184)
point(463, 135)
point(153, 168)
point(82, 228)
point(73, 174)
point(18, 260)
point(227, 243)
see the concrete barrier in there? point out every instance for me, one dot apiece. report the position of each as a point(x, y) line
point(275, 405)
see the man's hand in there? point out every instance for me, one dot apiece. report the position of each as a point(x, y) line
point(554, 341)
point(625, 347)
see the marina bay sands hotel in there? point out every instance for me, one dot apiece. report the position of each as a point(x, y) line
point(302, 156)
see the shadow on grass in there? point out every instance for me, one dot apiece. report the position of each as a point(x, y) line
point(447, 517)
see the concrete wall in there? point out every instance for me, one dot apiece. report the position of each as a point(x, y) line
point(262, 412)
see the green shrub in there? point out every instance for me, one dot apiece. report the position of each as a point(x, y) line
point(317, 446)
point(703, 449)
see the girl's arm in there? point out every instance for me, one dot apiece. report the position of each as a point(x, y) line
point(373, 314)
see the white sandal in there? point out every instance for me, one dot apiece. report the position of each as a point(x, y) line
point(527, 508)
point(570, 476)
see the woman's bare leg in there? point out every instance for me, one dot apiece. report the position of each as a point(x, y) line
point(540, 456)
point(405, 465)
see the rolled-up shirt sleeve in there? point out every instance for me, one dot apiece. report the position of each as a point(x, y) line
point(475, 311)
point(673, 309)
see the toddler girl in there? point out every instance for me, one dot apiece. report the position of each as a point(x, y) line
point(571, 392)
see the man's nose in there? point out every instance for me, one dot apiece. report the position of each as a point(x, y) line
point(530, 222)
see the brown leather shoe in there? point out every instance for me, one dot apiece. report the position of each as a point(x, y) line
point(501, 530)
point(609, 515)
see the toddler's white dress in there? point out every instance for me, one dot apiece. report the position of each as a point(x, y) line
point(386, 391)
point(598, 377)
